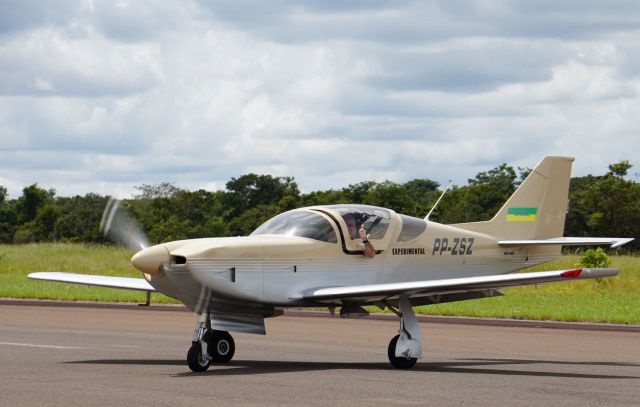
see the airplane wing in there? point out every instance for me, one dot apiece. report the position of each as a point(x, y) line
point(570, 241)
point(378, 292)
point(127, 283)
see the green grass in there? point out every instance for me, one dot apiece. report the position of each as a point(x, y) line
point(612, 300)
point(16, 261)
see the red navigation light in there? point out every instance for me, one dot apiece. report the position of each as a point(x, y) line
point(571, 273)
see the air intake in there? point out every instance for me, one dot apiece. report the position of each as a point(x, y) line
point(178, 260)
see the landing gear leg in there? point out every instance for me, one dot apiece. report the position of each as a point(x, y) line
point(405, 348)
point(198, 357)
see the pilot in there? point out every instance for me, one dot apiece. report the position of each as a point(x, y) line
point(352, 225)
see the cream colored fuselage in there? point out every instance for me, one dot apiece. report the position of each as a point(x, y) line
point(276, 270)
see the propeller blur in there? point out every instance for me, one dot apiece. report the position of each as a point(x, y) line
point(119, 226)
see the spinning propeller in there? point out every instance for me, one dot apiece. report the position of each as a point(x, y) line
point(119, 226)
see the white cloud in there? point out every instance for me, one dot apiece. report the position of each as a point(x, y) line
point(48, 61)
point(123, 93)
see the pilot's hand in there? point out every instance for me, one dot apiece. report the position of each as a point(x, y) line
point(363, 233)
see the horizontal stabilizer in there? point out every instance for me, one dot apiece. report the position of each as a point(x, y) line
point(570, 241)
point(453, 285)
point(127, 283)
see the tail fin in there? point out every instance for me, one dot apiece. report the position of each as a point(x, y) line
point(537, 209)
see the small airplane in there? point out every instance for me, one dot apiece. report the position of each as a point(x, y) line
point(315, 257)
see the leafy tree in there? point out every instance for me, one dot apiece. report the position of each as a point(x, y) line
point(328, 197)
point(179, 214)
point(578, 214)
point(613, 205)
point(357, 193)
point(45, 221)
point(24, 233)
point(250, 219)
point(391, 195)
point(605, 206)
point(481, 199)
point(167, 230)
point(197, 206)
point(162, 190)
point(7, 217)
point(6, 232)
point(79, 219)
point(579, 184)
point(620, 168)
point(503, 177)
point(214, 227)
point(35, 215)
point(41, 228)
point(424, 193)
point(288, 202)
point(523, 173)
point(251, 190)
point(33, 198)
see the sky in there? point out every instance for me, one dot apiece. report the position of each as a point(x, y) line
point(101, 96)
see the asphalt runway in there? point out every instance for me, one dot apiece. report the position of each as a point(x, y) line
point(81, 356)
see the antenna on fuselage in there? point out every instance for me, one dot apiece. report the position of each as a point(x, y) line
point(438, 201)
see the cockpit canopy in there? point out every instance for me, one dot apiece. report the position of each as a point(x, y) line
point(310, 223)
point(374, 219)
point(303, 223)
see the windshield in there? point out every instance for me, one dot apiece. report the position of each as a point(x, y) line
point(299, 223)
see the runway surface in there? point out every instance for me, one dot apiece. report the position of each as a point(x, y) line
point(79, 356)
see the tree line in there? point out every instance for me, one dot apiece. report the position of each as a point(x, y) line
point(604, 205)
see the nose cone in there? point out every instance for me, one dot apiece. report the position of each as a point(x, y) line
point(149, 260)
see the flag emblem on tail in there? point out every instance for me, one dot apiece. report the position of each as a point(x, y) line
point(521, 214)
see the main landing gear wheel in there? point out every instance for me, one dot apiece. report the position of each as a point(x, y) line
point(220, 346)
point(197, 361)
point(399, 362)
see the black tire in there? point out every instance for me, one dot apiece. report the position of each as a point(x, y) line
point(399, 362)
point(196, 361)
point(220, 346)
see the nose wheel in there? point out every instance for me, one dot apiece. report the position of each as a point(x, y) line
point(209, 346)
point(197, 360)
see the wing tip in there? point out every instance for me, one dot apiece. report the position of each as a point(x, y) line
point(38, 275)
point(573, 273)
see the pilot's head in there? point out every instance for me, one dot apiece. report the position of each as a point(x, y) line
point(352, 225)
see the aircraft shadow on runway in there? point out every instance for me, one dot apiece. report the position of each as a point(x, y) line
point(464, 366)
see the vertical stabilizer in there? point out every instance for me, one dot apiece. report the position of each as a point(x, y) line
point(537, 209)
